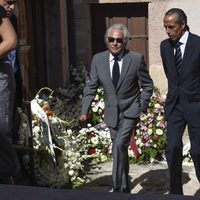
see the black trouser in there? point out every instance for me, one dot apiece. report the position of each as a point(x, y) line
point(176, 124)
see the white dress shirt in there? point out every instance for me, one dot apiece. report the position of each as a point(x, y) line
point(183, 41)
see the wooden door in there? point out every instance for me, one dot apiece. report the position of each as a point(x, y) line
point(24, 46)
point(133, 15)
point(43, 43)
point(31, 41)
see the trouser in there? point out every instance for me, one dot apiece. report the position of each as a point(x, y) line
point(121, 139)
point(7, 90)
point(176, 124)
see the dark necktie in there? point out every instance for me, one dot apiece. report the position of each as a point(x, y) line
point(178, 57)
point(115, 72)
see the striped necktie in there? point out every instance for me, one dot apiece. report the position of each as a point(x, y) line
point(178, 57)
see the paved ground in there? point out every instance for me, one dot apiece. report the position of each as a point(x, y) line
point(145, 179)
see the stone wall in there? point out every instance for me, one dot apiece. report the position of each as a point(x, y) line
point(156, 35)
point(157, 32)
point(82, 31)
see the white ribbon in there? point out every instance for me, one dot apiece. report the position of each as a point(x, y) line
point(39, 112)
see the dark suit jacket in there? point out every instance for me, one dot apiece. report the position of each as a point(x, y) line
point(184, 88)
point(132, 94)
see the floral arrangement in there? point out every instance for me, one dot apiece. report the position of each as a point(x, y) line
point(57, 153)
point(149, 141)
point(97, 107)
point(96, 142)
point(150, 136)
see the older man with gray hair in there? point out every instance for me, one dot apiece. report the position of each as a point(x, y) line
point(128, 87)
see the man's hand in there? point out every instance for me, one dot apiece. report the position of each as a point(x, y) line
point(83, 120)
point(83, 117)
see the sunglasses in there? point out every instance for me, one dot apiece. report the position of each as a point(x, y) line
point(118, 40)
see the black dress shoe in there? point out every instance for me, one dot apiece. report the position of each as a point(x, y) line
point(125, 190)
point(116, 190)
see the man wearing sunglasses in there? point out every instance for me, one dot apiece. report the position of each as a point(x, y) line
point(128, 87)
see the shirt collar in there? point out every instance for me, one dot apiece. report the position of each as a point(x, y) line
point(184, 38)
point(120, 56)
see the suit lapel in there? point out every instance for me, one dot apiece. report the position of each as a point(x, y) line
point(125, 67)
point(171, 57)
point(106, 69)
point(187, 55)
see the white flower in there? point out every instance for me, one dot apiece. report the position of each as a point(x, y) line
point(143, 118)
point(138, 141)
point(160, 117)
point(95, 140)
point(131, 153)
point(101, 104)
point(54, 120)
point(95, 109)
point(103, 158)
point(157, 105)
point(159, 131)
point(141, 144)
point(89, 125)
point(71, 172)
point(99, 90)
point(36, 129)
point(69, 132)
point(96, 97)
point(137, 131)
point(149, 131)
point(66, 165)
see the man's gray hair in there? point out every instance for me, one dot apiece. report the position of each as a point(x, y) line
point(121, 27)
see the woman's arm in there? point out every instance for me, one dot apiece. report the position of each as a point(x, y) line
point(8, 37)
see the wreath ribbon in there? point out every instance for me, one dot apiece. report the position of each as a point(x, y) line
point(39, 112)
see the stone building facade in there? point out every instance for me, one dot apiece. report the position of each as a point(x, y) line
point(81, 23)
point(57, 34)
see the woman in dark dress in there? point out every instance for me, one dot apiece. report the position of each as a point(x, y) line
point(8, 41)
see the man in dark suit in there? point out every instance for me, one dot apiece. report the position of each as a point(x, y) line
point(127, 94)
point(183, 99)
